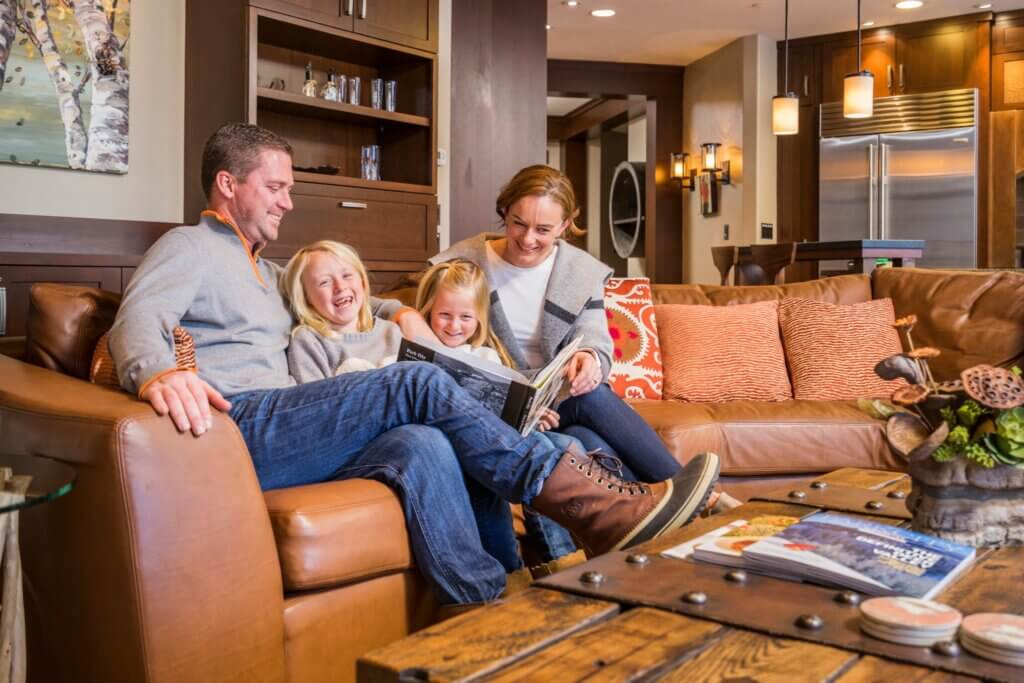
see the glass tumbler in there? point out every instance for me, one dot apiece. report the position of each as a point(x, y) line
point(371, 162)
point(377, 93)
point(390, 94)
point(353, 90)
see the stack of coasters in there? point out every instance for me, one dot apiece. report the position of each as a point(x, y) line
point(998, 637)
point(909, 621)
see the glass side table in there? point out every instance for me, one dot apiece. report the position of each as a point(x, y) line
point(25, 481)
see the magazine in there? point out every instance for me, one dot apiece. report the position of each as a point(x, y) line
point(873, 558)
point(517, 399)
point(724, 545)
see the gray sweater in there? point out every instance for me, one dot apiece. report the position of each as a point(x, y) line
point(311, 356)
point(573, 303)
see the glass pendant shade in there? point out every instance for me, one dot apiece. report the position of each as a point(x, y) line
point(858, 95)
point(786, 114)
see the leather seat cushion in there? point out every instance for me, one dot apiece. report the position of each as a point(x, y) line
point(337, 532)
point(778, 438)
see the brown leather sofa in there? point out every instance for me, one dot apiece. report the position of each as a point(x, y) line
point(167, 563)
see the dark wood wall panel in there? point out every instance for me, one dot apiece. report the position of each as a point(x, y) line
point(498, 121)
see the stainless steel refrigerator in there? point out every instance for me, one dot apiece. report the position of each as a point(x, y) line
point(908, 172)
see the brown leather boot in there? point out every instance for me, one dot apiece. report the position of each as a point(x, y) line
point(586, 495)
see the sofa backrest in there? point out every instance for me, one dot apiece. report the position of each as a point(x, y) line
point(64, 324)
point(972, 317)
point(844, 289)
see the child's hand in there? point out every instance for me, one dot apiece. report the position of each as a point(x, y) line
point(549, 420)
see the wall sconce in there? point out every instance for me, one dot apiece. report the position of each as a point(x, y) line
point(680, 170)
point(709, 157)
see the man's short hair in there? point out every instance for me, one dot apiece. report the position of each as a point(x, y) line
point(236, 148)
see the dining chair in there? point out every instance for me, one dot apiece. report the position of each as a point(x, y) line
point(767, 264)
point(725, 258)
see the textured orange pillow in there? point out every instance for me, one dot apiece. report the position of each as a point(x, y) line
point(723, 353)
point(636, 355)
point(102, 370)
point(832, 349)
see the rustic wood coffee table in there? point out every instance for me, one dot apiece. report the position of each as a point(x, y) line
point(640, 616)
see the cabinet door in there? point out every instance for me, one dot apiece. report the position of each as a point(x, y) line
point(804, 73)
point(935, 58)
point(337, 13)
point(18, 280)
point(408, 22)
point(1008, 81)
point(840, 59)
point(797, 190)
point(381, 226)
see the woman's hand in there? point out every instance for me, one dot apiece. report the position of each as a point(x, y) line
point(584, 372)
point(549, 420)
point(413, 325)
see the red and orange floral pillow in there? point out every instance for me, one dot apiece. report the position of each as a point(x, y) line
point(637, 371)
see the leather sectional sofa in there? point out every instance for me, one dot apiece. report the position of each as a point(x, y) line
point(167, 563)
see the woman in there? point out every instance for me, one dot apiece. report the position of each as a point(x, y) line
point(544, 293)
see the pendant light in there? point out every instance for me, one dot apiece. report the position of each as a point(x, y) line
point(859, 87)
point(786, 107)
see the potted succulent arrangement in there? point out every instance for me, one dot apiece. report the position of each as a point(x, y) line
point(964, 444)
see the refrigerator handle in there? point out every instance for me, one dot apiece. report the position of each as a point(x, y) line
point(872, 191)
point(883, 192)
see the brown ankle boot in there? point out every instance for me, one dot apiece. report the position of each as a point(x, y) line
point(586, 495)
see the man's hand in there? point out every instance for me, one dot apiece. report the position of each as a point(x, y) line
point(187, 399)
point(413, 325)
point(548, 420)
point(584, 372)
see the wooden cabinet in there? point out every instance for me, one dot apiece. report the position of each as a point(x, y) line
point(935, 57)
point(839, 59)
point(804, 73)
point(412, 23)
point(1008, 81)
point(18, 280)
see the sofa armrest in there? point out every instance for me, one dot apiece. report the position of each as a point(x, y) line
point(160, 564)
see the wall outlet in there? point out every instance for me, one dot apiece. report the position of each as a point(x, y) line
point(767, 231)
point(442, 156)
point(725, 232)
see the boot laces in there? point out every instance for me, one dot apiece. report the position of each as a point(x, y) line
point(608, 469)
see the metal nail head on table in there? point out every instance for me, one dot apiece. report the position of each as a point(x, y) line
point(861, 255)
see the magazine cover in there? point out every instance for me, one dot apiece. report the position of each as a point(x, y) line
point(856, 553)
point(728, 549)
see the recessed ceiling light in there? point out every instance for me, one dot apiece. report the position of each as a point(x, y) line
point(868, 23)
point(547, 27)
point(984, 5)
point(603, 13)
point(571, 3)
point(909, 4)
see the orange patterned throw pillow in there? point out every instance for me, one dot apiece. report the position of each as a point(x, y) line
point(102, 370)
point(723, 353)
point(833, 349)
point(636, 361)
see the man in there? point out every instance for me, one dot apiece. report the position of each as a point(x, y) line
point(408, 425)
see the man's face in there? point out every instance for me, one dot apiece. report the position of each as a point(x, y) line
point(262, 198)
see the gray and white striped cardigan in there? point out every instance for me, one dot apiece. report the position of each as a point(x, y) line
point(573, 303)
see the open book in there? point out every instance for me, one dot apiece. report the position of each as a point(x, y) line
point(517, 399)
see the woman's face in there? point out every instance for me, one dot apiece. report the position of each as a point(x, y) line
point(532, 225)
point(334, 289)
point(453, 316)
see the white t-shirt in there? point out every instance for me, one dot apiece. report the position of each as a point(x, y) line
point(522, 293)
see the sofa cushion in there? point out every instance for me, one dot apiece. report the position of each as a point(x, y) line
point(761, 438)
point(723, 353)
point(843, 289)
point(971, 316)
point(636, 356)
point(832, 349)
point(337, 532)
point(64, 323)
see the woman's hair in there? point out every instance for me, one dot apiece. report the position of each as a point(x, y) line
point(460, 274)
point(541, 181)
point(291, 286)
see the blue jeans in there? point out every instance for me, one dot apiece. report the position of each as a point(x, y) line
point(330, 429)
point(602, 421)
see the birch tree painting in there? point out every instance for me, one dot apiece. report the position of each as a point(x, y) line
point(64, 83)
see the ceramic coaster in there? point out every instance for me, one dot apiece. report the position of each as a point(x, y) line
point(1003, 632)
point(905, 638)
point(911, 615)
point(991, 653)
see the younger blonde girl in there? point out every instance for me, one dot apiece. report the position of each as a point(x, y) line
point(328, 290)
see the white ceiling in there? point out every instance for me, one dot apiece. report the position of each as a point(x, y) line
point(681, 31)
point(560, 106)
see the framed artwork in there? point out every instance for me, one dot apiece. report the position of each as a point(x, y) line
point(64, 84)
point(707, 192)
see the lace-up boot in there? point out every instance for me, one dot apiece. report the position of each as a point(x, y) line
point(587, 495)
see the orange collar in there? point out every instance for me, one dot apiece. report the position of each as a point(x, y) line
point(253, 254)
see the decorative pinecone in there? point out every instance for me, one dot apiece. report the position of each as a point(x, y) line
point(993, 387)
point(108, 59)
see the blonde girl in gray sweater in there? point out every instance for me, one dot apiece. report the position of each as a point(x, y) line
point(328, 290)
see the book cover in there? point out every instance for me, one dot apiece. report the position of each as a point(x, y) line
point(873, 558)
point(727, 549)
